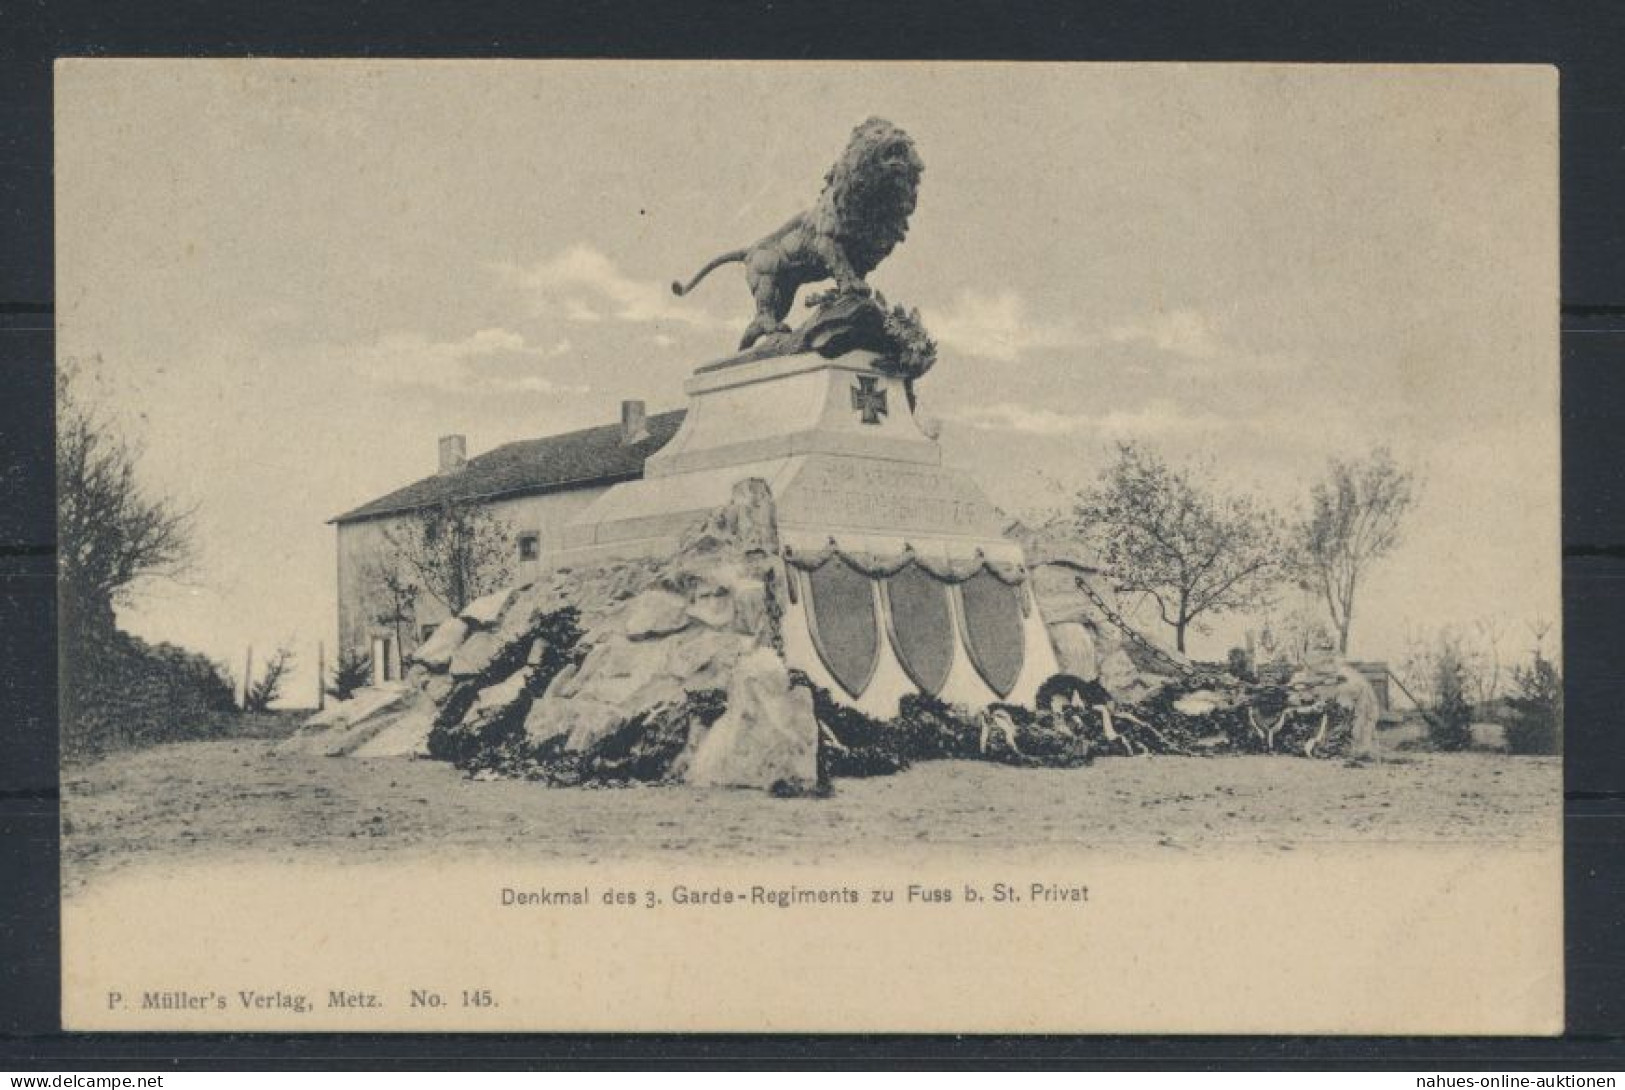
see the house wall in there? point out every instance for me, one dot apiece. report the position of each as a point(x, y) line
point(361, 545)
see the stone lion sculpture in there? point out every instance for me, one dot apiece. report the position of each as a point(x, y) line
point(860, 217)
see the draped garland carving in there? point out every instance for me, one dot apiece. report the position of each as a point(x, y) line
point(874, 566)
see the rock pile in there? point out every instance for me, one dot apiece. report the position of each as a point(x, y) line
point(1142, 698)
point(639, 669)
point(1325, 709)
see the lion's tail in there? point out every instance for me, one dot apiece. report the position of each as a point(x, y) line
point(678, 288)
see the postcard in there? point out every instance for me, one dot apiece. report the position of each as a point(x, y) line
point(917, 547)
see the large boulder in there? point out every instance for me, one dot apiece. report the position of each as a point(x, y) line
point(484, 612)
point(1355, 693)
point(1128, 677)
point(435, 653)
point(404, 734)
point(499, 698)
point(363, 705)
point(768, 736)
point(678, 626)
point(488, 656)
point(1075, 651)
point(655, 613)
point(344, 726)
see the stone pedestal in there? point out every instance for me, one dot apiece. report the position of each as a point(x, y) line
point(857, 484)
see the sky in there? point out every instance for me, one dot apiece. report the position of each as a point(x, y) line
point(288, 279)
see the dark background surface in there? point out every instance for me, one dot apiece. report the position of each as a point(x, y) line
point(1586, 41)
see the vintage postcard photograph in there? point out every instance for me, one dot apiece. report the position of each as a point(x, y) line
point(902, 547)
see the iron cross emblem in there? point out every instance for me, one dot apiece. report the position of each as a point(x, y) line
point(866, 397)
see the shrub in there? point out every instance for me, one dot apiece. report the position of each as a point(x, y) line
point(352, 671)
point(933, 729)
point(851, 743)
point(1536, 723)
point(1450, 727)
point(261, 694)
point(120, 692)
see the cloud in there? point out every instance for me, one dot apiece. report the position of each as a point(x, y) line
point(589, 287)
point(579, 310)
point(488, 361)
point(1178, 346)
point(995, 327)
point(1178, 332)
point(1000, 326)
point(1160, 418)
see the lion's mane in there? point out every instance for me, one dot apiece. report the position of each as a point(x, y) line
point(870, 193)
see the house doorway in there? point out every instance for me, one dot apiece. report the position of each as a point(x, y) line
point(386, 665)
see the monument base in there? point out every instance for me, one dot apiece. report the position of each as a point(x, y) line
point(897, 574)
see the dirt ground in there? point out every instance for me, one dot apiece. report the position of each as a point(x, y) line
point(197, 801)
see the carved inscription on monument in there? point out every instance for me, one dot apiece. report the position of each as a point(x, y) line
point(888, 497)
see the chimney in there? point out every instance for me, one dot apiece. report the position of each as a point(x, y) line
point(453, 453)
point(634, 423)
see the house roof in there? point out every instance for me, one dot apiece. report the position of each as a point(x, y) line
point(577, 459)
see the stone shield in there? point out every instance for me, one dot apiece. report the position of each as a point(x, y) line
point(844, 624)
point(920, 625)
point(994, 632)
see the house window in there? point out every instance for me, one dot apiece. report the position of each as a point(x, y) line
point(530, 547)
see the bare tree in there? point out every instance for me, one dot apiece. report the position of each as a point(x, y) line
point(1417, 668)
point(1483, 656)
point(1433, 654)
point(111, 532)
point(259, 695)
point(398, 594)
point(1354, 520)
point(1293, 628)
point(1539, 629)
point(1472, 657)
point(1171, 535)
point(454, 551)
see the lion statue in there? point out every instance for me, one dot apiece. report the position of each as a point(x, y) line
point(861, 216)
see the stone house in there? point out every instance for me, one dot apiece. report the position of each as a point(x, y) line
point(534, 486)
